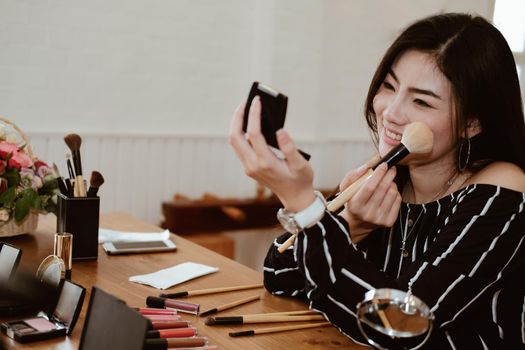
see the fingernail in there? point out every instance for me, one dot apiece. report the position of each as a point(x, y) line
point(361, 167)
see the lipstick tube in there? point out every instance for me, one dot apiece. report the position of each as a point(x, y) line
point(164, 318)
point(63, 248)
point(168, 324)
point(152, 311)
point(182, 306)
point(170, 343)
point(172, 333)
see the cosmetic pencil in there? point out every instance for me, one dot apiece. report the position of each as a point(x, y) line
point(153, 311)
point(230, 305)
point(172, 333)
point(210, 321)
point(182, 306)
point(73, 141)
point(278, 329)
point(156, 325)
point(95, 181)
point(211, 291)
point(417, 139)
point(167, 343)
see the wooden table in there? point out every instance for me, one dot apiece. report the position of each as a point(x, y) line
point(111, 273)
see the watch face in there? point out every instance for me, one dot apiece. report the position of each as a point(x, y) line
point(287, 222)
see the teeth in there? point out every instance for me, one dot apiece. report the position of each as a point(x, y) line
point(393, 135)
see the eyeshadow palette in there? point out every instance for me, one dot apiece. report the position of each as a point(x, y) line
point(49, 325)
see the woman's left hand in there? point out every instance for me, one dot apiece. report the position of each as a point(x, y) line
point(291, 179)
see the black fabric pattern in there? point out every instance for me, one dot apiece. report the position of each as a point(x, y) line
point(464, 257)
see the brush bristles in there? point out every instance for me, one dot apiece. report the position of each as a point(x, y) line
point(418, 138)
point(73, 141)
point(96, 179)
point(210, 321)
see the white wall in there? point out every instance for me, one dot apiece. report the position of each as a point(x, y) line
point(172, 67)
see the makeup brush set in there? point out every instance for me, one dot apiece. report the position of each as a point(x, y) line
point(78, 207)
point(75, 185)
point(169, 303)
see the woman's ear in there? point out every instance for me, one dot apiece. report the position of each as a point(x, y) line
point(473, 127)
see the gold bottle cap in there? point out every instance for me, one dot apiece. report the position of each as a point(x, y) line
point(63, 248)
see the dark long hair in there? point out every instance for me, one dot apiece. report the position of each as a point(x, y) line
point(478, 62)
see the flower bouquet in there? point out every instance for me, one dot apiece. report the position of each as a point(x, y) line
point(28, 186)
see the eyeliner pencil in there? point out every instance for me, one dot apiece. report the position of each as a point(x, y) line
point(230, 305)
point(210, 291)
point(210, 321)
point(278, 329)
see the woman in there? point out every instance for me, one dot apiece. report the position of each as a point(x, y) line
point(448, 226)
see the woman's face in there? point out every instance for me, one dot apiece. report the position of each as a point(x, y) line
point(416, 90)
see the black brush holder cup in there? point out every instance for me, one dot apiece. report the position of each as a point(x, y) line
point(80, 217)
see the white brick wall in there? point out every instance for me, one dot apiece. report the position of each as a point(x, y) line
point(174, 67)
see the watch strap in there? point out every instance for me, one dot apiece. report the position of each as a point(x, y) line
point(309, 216)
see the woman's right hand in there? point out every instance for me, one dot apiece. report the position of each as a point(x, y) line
point(376, 204)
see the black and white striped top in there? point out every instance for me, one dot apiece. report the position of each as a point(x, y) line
point(463, 258)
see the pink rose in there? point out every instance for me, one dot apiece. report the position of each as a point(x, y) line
point(30, 180)
point(7, 148)
point(43, 171)
point(20, 160)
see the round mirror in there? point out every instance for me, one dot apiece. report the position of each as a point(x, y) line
point(391, 318)
point(51, 270)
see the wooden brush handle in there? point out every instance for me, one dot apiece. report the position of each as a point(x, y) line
point(291, 328)
point(280, 318)
point(341, 199)
point(80, 189)
point(348, 193)
point(224, 289)
point(238, 302)
point(286, 244)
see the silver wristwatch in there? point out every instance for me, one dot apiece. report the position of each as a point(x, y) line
point(296, 222)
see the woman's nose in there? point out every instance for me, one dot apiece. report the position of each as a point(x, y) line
point(394, 111)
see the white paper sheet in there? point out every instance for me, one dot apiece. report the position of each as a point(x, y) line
point(169, 277)
point(107, 235)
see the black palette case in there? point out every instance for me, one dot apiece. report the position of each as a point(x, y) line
point(58, 322)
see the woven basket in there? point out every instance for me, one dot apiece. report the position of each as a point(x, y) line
point(29, 224)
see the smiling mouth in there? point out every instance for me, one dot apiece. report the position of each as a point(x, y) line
point(392, 135)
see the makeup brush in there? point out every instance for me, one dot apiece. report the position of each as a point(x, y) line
point(261, 318)
point(95, 181)
point(278, 329)
point(417, 139)
point(69, 166)
point(211, 291)
point(230, 305)
point(60, 181)
point(73, 141)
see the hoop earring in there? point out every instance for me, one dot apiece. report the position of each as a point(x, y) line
point(462, 167)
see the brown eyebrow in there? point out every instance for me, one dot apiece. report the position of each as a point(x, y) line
point(416, 90)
